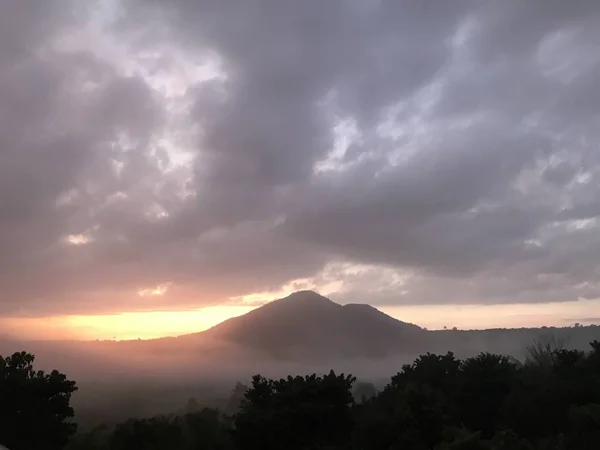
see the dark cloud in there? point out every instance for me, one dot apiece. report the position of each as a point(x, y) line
point(407, 152)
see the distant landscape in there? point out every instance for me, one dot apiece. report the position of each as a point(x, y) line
point(299, 225)
point(302, 333)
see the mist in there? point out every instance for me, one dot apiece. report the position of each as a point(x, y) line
point(142, 378)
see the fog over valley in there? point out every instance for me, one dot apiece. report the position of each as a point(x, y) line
point(302, 333)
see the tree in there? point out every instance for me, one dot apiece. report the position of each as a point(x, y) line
point(35, 409)
point(236, 398)
point(296, 413)
point(410, 412)
point(206, 429)
point(437, 371)
point(543, 350)
point(486, 382)
point(95, 439)
point(149, 434)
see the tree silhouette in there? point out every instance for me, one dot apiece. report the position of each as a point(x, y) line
point(296, 413)
point(486, 381)
point(156, 433)
point(543, 350)
point(236, 398)
point(35, 409)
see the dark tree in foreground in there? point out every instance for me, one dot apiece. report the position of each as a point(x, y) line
point(148, 434)
point(35, 409)
point(300, 413)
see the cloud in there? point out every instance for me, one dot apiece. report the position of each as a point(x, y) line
point(407, 153)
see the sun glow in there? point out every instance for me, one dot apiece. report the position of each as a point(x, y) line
point(148, 325)
point(142, 325)
point(156, 324)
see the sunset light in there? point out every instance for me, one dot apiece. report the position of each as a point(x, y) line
point(142, 325)
point(149, 325)
point(195, 192)
point(156, 324)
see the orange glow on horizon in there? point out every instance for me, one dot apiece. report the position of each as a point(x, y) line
point(531, 315)
point(148, 325)
point(134, 325)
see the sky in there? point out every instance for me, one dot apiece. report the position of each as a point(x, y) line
point(167, 164)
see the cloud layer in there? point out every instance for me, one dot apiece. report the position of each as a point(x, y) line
point(175, 154)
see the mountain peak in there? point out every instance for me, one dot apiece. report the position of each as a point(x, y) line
point(306, 324)
point(307, 295)
point(306, 301)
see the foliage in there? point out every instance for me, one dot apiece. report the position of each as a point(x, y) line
point(35, 409)
point(439, 402)
point(237, 397)
point(315, 411)
point(544, 348)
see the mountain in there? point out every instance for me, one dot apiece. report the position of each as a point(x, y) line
point(306, 324)
point(300, 329)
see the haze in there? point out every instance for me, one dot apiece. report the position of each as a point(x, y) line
point(167, 165)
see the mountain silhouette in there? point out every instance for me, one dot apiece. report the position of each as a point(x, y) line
point(306, 324)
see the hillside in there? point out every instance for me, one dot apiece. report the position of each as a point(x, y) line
point(308, 324)
point(304, 327)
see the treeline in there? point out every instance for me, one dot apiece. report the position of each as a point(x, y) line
point(487, 402)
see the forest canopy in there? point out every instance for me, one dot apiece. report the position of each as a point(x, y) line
point(440, 402)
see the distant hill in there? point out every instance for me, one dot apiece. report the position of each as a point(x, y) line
point(306, 324)
point(302, 328)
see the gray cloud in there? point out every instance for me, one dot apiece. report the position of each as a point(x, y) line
point(221, 148)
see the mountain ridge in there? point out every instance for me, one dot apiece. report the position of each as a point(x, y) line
point(306, 323)
point(307, 298)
